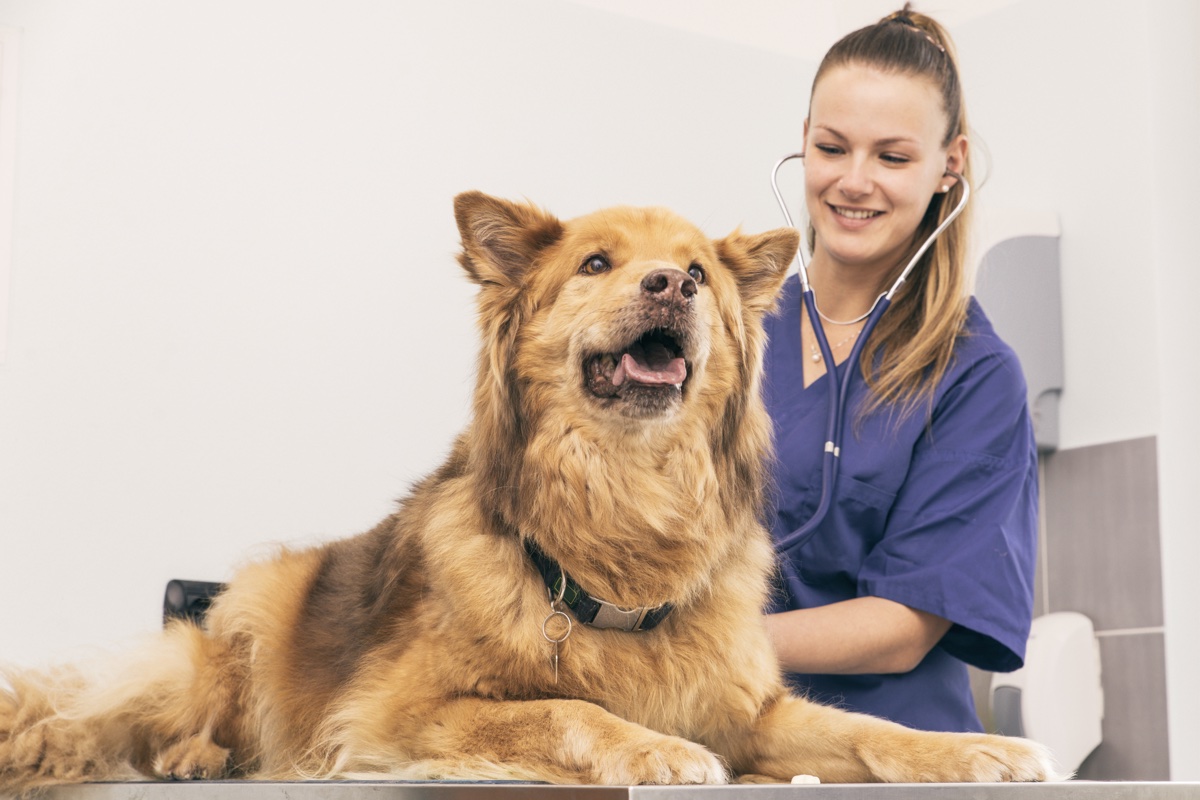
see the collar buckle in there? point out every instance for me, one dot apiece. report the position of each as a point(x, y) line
point(626, 619)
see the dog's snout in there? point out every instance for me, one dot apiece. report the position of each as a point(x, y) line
point(669, 285)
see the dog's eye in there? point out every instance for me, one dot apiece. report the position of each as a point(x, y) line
point(594, 265)
point(697, 272)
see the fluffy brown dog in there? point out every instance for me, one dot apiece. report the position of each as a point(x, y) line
point(618, 441)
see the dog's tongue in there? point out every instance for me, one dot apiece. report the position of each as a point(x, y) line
point(651, 364)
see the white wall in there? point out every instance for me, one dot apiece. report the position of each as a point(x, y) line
point(236, 315)
point(802, 29)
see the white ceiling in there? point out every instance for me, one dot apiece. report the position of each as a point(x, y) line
point(802, 28)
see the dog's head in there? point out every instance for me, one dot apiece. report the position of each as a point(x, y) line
point(615, 321)
point(619, 312)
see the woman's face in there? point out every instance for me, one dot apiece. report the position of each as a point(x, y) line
point(873, 161)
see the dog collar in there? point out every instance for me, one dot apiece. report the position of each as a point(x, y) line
point(591, 610)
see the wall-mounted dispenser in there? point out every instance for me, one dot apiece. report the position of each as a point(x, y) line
point(1056, 698)
point(1019, 287)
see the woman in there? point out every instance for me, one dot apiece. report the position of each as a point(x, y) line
point(925, 561)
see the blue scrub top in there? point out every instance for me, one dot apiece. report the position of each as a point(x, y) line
point(938, 513)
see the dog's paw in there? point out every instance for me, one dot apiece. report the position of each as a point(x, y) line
point(661, 760)
point(963, 758)
point(196, 758)
point(1005, 758)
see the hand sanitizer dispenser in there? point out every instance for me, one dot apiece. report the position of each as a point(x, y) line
point(1056, 698)
point(1019, 288)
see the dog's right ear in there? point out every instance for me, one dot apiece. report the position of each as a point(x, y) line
point(500, 239)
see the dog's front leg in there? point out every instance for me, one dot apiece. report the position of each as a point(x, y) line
point(561, 741)
point(798, 737)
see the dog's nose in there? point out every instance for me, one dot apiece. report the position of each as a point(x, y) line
point(669, 285)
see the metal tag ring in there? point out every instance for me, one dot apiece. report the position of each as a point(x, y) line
point(546, 622)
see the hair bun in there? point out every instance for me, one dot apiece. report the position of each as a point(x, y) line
point(918, 22)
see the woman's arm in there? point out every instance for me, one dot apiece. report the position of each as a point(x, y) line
point(858, 636)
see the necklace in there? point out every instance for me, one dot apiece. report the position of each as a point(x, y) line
point(859, 318)
point(816, 351)
point(843, 322)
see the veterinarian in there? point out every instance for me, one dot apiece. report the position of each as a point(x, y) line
point(924, 562)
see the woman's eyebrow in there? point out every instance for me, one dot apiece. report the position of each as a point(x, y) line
point(891, 140)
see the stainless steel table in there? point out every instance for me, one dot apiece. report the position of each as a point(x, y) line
point(388, 790)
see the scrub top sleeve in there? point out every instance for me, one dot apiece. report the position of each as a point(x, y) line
point(961, 539)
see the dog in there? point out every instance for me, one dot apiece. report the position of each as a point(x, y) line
point(574, 596)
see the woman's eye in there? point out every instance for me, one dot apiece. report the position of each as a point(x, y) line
point(594, 265)
point(697, 272)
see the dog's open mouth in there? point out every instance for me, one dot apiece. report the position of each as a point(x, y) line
point(654, 362)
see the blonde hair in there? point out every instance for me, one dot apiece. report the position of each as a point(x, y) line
point(913, 345)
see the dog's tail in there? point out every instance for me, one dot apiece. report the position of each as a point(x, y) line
point(108, 720)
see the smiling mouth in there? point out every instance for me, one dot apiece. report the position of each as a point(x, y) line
point(854, 213)
point(654, 363)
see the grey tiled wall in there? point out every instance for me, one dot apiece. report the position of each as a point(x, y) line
point(1100, 556)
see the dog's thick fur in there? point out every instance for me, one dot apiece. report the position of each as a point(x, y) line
point(417, 649)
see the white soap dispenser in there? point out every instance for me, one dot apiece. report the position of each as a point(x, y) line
point(1056, 698)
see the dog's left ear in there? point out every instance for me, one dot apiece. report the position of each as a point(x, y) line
point(759, 263)
point(500, 238)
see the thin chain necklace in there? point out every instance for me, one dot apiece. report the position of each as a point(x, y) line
point(816, 351)
point(859, 318)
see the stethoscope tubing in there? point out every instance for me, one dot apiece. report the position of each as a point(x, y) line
point(838, 388)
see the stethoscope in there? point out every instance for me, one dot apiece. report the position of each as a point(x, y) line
point(838, 386)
